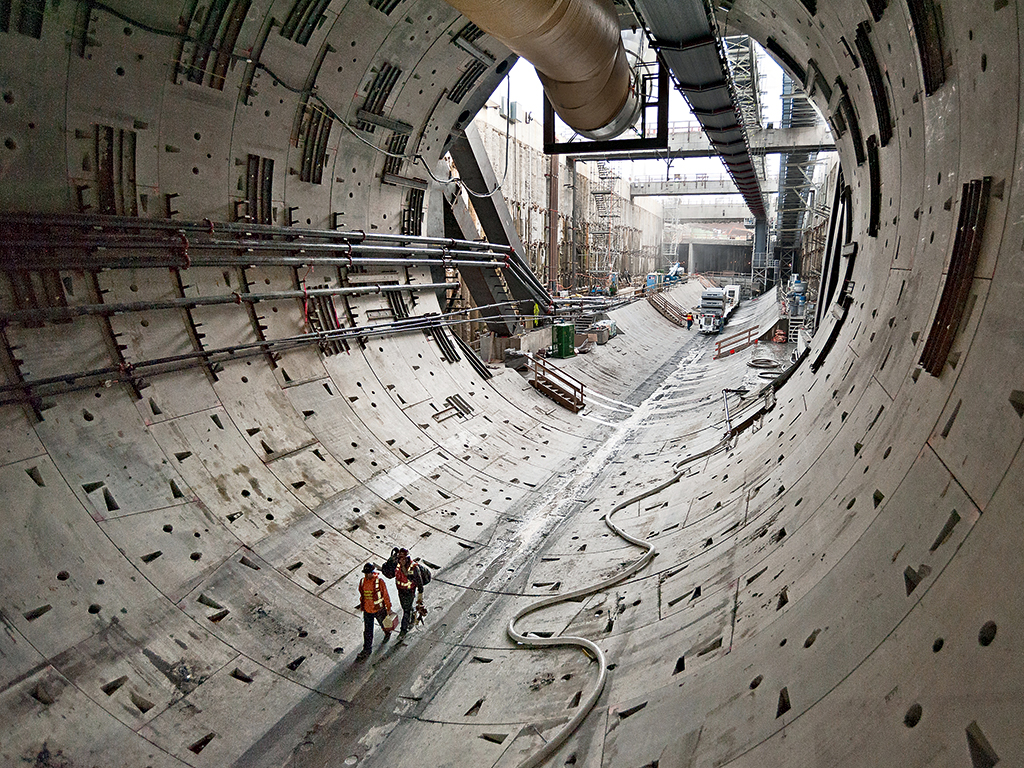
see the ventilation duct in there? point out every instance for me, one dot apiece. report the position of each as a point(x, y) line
point(576, 48)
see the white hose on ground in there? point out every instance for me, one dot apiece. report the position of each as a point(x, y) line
point(588, 646)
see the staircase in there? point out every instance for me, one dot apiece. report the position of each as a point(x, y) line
point(556, 385)
point(607, 204)
point(796, 324)
point(671, 312)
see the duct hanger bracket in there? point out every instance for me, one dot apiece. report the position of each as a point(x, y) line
point(659, 140)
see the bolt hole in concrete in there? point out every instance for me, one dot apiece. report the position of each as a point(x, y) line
point(937, 645)
point(784, 704)
point(94, 609)
point(63, 576)
point(756, 682)
point(913, 716)
point(982, 753)
point(987, 633)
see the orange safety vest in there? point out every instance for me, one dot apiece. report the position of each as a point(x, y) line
point(402, 578)
point(373, 594)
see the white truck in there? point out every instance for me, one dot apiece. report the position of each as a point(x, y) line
point(716, 304)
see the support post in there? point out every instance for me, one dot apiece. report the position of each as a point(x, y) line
point(553, 190)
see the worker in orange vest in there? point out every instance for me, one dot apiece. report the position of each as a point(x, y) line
point(407, 585)
point(375, 604)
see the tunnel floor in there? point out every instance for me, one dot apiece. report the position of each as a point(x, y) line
point(459, 672)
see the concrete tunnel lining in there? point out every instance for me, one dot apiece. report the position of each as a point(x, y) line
point(857, 556)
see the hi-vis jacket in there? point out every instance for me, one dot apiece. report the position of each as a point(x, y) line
point(403, 577)
point(373, 594)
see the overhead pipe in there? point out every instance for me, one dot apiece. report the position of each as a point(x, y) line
point(576, 48)
point(111, 253)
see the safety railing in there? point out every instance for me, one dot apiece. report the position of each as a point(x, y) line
point(555, 384)
point(732, 344)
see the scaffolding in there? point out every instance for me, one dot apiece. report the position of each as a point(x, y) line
point(796, 186)
point(603, 247)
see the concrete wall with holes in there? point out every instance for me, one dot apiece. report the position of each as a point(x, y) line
point(842, 587)
point(166, 106)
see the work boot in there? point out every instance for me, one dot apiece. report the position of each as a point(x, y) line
point(362, 656)
point(387, 636)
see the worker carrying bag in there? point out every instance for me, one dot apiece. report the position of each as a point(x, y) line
point(390, 565)
point(420, 575)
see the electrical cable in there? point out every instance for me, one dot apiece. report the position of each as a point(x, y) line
point(498, 187)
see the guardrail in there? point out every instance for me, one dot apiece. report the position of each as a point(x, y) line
point(732, 344)
point(555, 384)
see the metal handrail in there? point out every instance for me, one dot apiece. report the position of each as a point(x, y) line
point(736, 342)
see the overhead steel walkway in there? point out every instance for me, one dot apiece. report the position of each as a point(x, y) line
point(687, 41)
point(699, 185)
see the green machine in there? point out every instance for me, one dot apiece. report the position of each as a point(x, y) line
point(563, 336)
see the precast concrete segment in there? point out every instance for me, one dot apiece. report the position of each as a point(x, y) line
point(555, 741)
point(589, 646)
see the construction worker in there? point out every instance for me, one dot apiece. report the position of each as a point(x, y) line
point(689, 320)
point(407, 582)
point(375, 604)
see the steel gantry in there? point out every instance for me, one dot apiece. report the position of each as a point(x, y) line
point(796, 183)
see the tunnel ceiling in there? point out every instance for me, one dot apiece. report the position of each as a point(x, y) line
point(838, 584)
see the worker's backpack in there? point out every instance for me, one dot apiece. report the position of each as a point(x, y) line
point(420, 575)
point(391, 564)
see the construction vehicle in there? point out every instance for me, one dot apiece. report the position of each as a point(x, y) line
point(716, 304)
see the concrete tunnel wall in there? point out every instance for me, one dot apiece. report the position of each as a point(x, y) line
point(846, 615)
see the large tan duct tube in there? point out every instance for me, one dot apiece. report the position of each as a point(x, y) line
point(576, 48)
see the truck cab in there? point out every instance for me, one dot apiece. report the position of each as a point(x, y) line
point(712, 310)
